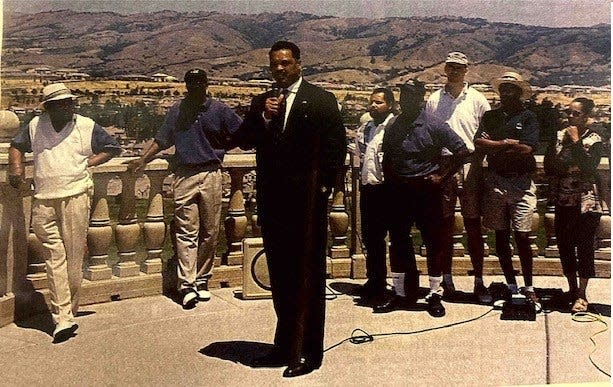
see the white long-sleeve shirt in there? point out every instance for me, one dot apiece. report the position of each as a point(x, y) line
point(368, 142)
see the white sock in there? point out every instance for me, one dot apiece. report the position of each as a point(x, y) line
point(447, 278)
point(529, 288)
point(398, 281)
point(435, 284)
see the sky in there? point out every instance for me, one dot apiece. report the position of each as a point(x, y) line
point(550, 13)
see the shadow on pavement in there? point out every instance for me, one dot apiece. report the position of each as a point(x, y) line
point(243, 352)
point(347, 288)
point(602, 309)
point(41, 322)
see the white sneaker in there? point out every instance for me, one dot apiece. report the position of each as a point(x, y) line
point(203, 291)
point(189, 298)
point(63, 331)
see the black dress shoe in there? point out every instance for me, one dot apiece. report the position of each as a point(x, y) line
point(393, 303)
point(302, 368)
point(274, 358)
point(435, 308)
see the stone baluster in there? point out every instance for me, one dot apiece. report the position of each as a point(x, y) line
point(458, 229)
point(340, 261)
point(533, 233)
point(603, 238)
point(127, 231)
point(154, 228)
point(339, 221)
point(100, 233)
point(236, 221)
point(551, 251)
point(256, 230)
point(37, 273)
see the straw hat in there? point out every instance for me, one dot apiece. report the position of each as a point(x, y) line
point(55, 92)
point(516, 79)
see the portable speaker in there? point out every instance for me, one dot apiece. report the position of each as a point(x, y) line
point(256, 282)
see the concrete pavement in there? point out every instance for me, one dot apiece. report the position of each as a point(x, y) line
point(152, 341)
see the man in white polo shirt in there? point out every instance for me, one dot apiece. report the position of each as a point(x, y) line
point(64, 145)
point(462, 107)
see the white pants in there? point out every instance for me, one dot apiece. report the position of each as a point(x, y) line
point(61, 226)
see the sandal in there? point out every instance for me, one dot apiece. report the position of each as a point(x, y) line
point(580, 305)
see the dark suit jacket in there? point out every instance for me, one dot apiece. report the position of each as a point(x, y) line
point(292, 168)
point(306, 156)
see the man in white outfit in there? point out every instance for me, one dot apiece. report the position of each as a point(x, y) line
point(462, 107)
point(64, 146)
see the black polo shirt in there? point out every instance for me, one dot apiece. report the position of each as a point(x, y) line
point(521, 125)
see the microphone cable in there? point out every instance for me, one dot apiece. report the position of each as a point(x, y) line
point(587, 317)
point(360, 336)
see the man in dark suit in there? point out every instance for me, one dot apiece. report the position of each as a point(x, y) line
point(300, 140)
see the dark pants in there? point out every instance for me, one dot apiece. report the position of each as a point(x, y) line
point(575, 230)
point(373, 202)
point(415, 202)
point(295, 245)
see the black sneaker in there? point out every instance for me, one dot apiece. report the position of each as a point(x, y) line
point(435, 308)
point(449, 291)
point(189, 298)
point(483, 295)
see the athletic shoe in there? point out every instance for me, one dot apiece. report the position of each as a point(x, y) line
point(448, 290)
point(63, 331)
point(482, 294)
point(189, 298)
point(203, 291)
point(435, 308)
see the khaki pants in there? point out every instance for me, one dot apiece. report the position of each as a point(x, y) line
point(197, 197)
point(61, 226)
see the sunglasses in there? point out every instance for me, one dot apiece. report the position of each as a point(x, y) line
point(573, 113)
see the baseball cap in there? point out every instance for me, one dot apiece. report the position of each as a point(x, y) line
point(196, 76)
point(457, 57)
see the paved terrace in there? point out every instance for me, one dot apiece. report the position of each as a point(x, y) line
point(152, 341)
point(147, 339)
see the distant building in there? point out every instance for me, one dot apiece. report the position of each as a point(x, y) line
point(161, 77)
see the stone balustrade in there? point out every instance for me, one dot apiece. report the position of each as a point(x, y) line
point(126, 257)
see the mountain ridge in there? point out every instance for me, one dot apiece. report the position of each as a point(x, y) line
point(345, 50)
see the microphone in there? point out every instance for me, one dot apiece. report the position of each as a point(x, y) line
point(276, 90)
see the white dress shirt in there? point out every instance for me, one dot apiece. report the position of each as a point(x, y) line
point(369, 143)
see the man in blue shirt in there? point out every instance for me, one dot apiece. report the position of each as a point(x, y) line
point(413, 172)
point(201, 130)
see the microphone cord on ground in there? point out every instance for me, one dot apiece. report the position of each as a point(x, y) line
point(586, 317)
point(366, 337)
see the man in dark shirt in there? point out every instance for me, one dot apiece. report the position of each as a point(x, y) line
point(508, 135)
point(200, 129)
point(412, 171)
